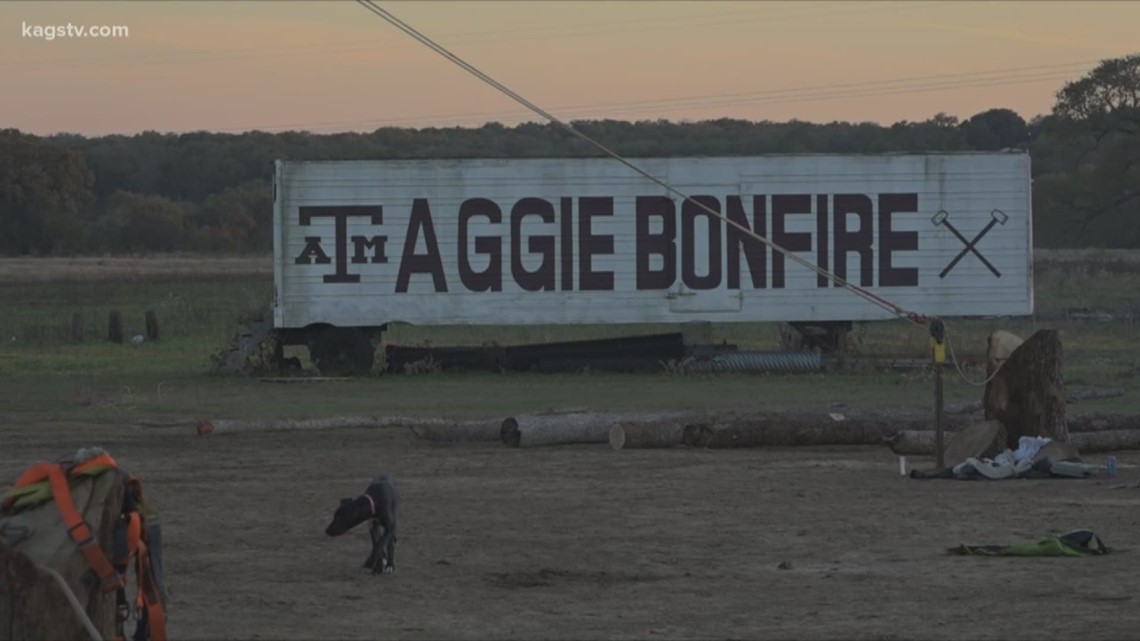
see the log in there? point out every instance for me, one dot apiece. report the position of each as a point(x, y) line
point(1074, 396)
point(115, 327)
point(783, 430)
point(458, 431)
point(1103, 421)
point(1094, 394)
point(151, 326)
point(921, 443)
point(569, 428)
point(431, 429)
point(1027, 394)
point(646, 435)
point(34, 544)
point(77, 327)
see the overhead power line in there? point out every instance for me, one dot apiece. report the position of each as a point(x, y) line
point(865, 294)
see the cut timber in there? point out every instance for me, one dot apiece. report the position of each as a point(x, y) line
point(643, 435)
point(777, 429)
point(985, 439)
point(32, 603)
point(458, 431)
point(1106, 440)
point(727, 428)
point(1102, 421)
point(785, 430)
point(1027, 394)
point(921, 443)
point(568, 428)
point(1094, 394)
point(432, 429)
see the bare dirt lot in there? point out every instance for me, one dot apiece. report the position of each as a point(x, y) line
point(582, 542)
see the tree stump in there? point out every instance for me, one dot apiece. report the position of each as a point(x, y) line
point(1028, 393)
point(115, 327)
point(998, 348)
point(32, 604)
point(151, 326)
point(77, 327)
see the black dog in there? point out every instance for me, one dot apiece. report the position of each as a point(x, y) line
point(377, 505)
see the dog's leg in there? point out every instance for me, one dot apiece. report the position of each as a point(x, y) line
point(375, 561)
point(390, 547)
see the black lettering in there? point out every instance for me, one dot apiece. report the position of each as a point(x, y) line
point(859, 241)
point(690, 211)
point(541, 279)
point(361, 244)
point(755, 252)
point(893, 241)
point(312, 253)
point(590, 245)
point(821, 239)
point(650, 244)
point(782, 206)
point(340, 215)
point(491, 278)
point(567, 250)
point(429, 263)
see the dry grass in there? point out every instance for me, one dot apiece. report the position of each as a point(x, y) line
point(27, 271)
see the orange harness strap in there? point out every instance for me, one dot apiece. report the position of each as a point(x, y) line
point(148, 596)
point(110, 579)
point(77, 528)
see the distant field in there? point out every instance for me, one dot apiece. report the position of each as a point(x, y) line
point(202, 302)
point(21, 271)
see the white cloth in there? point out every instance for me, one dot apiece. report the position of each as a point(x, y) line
point(1027, 448)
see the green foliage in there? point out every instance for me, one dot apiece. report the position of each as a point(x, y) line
point(45, 195)
point(211, 192)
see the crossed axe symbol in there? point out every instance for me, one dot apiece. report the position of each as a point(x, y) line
point(942, 219)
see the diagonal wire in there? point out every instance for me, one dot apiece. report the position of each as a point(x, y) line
point(423, 39)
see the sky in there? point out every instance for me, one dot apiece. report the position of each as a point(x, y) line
point(333, 65)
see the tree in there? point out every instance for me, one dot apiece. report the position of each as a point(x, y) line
point(995, 129)
point(1100, 116)
point(142, 223)
point(239, 219)
point(45, 196)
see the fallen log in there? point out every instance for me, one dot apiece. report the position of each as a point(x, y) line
point(646, 435)
point(1094, 394)
point(921, 443)
point(1074, 396)
point(743, 429)
point(435, 429)
point(1103, 421)
point(569, 428)
point(782, 430)
point(458, 431)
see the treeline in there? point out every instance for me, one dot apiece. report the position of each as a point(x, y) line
point(205, 192)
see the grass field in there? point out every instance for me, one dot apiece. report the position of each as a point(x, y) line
point(201, 303)
point(570, 542)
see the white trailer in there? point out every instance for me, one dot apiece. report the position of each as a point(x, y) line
point(361, 244)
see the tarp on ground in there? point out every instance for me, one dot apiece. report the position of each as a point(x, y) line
point(1075, 543)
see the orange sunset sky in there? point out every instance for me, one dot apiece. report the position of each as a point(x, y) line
point(334, 66)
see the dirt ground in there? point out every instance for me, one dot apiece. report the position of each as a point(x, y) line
point(583, 542)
